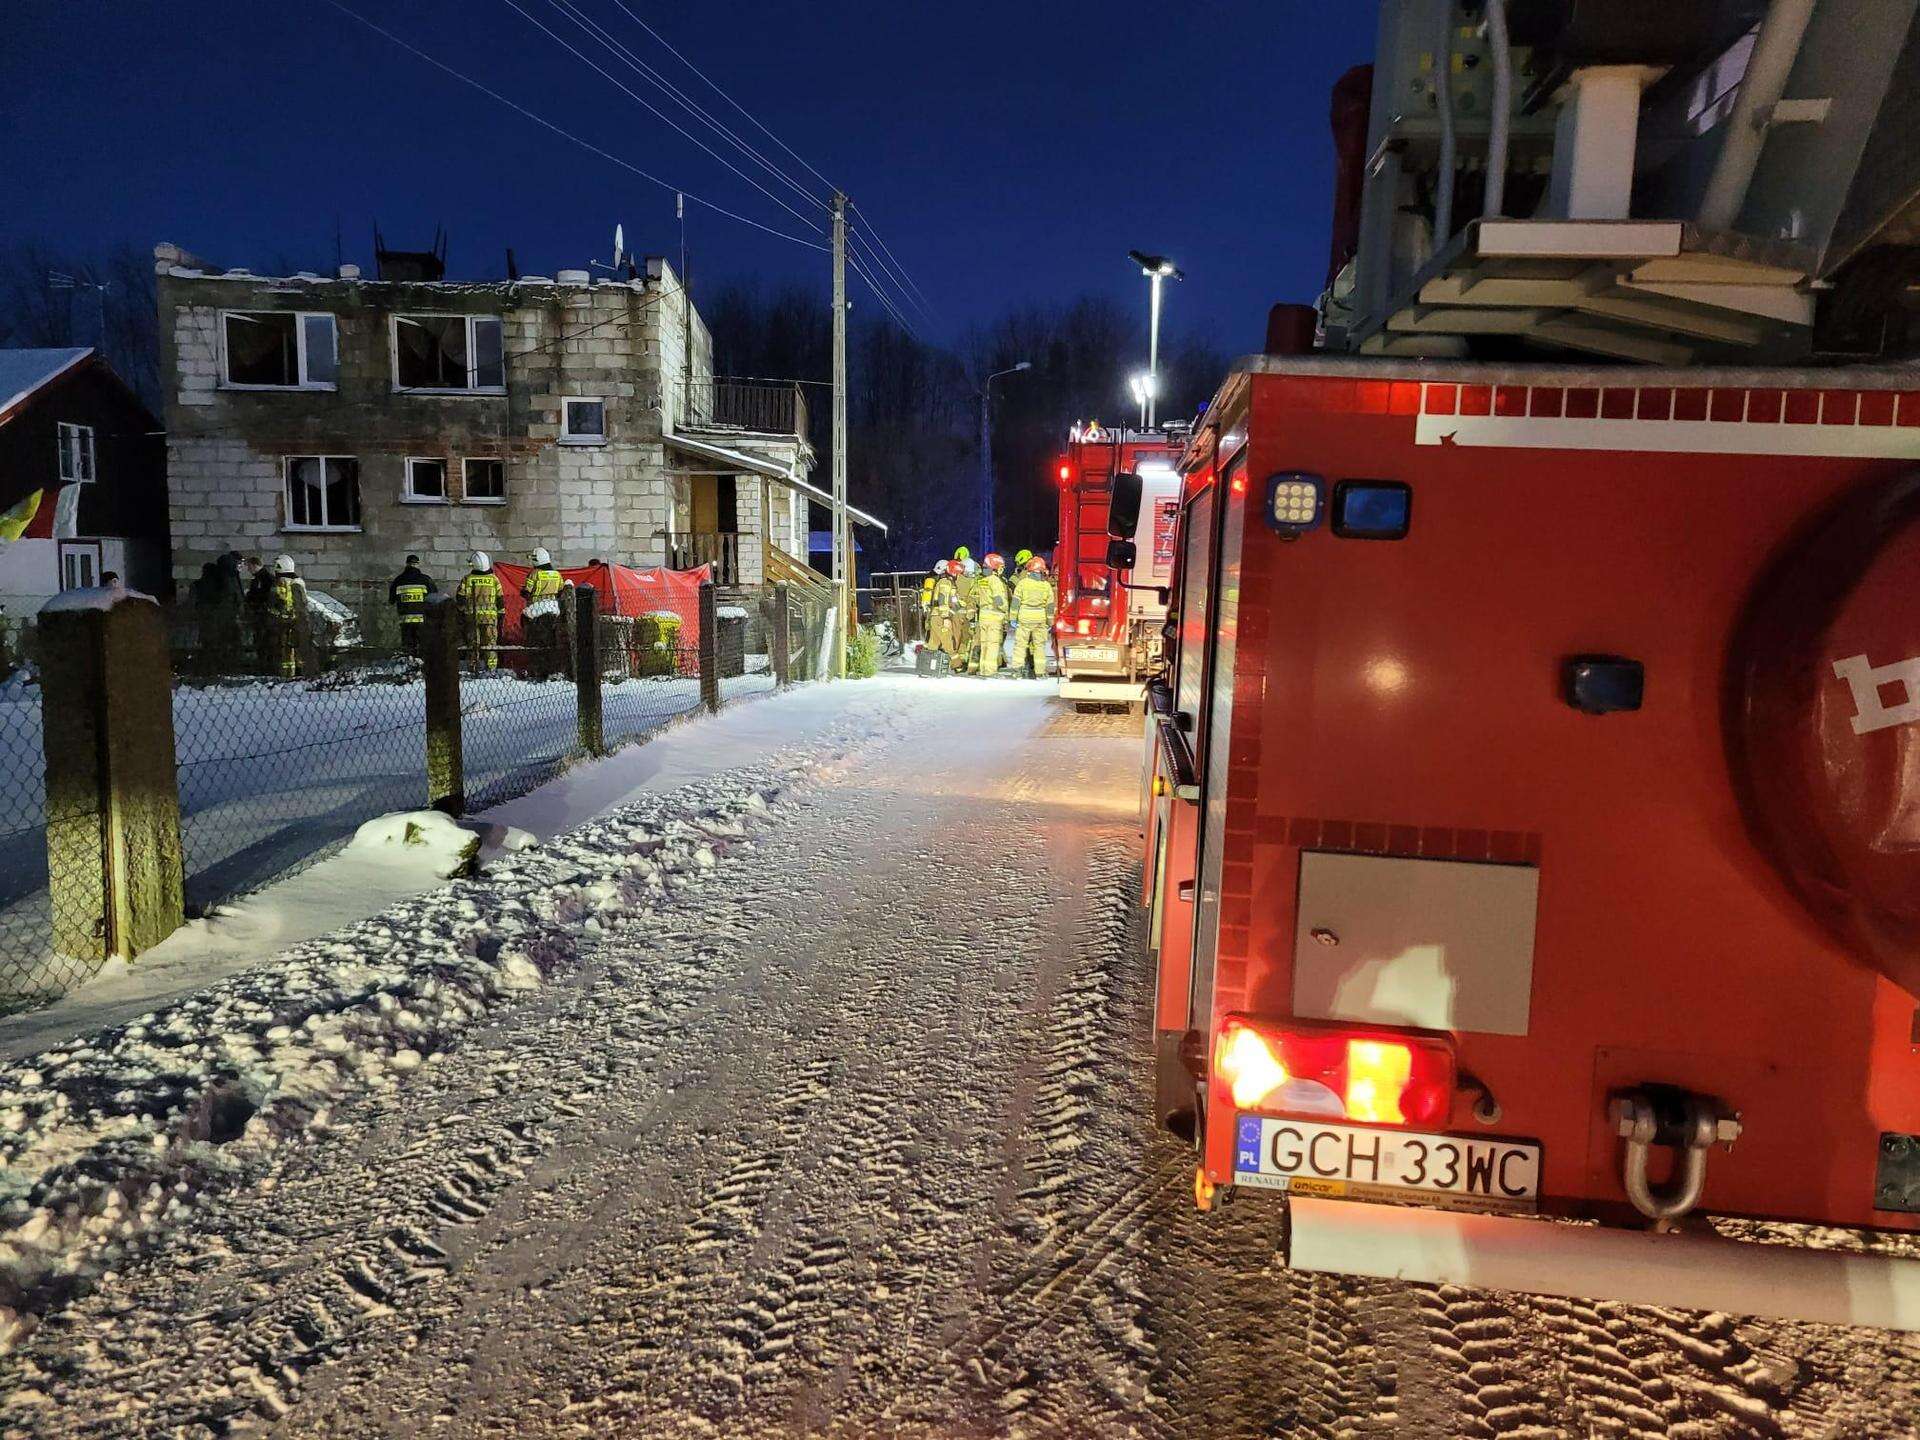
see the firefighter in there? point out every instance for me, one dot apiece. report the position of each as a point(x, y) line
point(540, 621)
point(286, 617)
point(1032, 618)
point(963, 582)
point(480, 602)
point(940, 618)
point(407, 593)
point(928, 584)
point(989, 615)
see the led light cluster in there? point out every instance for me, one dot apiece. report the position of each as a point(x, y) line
point(1293, 502)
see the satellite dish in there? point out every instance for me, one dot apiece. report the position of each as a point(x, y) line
point(619, 245)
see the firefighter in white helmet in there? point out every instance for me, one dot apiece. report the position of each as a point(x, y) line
point(286, 617)
point(942, 632)
point(480, 604)
point(540, 620)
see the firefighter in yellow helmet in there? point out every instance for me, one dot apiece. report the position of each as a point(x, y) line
point(989, 615)
point(286, 617)
point(480, 604)
point(1033, 606)
point(540, 620)
point(940, 619)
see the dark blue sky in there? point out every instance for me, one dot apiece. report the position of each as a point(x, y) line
point(1005, 149)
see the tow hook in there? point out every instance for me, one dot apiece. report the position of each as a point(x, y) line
point(1679, 1120)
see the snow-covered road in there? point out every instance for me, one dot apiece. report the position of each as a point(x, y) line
point(838, 1127)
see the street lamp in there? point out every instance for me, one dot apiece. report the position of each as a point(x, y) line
point(1143, 388)
point(986, 452)
point(1156, 268)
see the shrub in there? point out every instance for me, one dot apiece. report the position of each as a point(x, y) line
point(863, 654)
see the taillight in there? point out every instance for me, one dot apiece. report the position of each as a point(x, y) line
point(1386, 1079)
point(1083, 626)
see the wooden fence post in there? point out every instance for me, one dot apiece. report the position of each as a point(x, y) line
point(115, 874)
point(709, 649)
point(586, 670)
point(440, 655)
point(782, 636)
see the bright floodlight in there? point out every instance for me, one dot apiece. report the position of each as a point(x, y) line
point(1155, 264)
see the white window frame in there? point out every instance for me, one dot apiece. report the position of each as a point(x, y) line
point(92, 551)
point(393, 347)
point(410, 496)
point(467, 497)
point(82, 447)
point(300, 318)
point(287, 522)
point(567, 402)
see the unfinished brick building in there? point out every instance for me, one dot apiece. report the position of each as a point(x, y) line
point(349, 421)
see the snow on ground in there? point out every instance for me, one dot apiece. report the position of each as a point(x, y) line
point(810, 1098)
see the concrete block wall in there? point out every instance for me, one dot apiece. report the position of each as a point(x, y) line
point(228, 448)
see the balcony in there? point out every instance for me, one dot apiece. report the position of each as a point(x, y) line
point(747, 407)
point(720, 549)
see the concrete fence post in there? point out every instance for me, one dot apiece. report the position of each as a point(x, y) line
point(782, 636)
point(709, 648)
point(585, 631)
point(440, 655)
point(114, 869)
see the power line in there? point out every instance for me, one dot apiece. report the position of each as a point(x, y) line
point(586, 145)
point(881, 295)
point(874, 261)
point(648, 105)
point(680, 97)
point(883, 245)
point(662, 42)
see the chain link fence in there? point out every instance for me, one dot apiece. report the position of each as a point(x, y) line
point(284, 748)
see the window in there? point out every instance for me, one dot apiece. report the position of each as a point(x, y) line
point(485, 482)
point(79, 564)
point(460, 353)
point(426, 482)
point(279, 350)
point(583, 422)
point(76, 453)
point(323, 492)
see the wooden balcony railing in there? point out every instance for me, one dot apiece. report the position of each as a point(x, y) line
point(758, 406)
point(719, 548)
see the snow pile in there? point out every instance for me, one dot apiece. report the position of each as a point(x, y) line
point(113, 1136)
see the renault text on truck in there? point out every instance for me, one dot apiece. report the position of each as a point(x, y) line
point(1111, 607)
point(1534, 821)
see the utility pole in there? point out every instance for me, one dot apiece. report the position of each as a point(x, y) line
point(843, 579)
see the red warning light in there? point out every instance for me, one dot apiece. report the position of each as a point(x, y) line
point(1066, 472)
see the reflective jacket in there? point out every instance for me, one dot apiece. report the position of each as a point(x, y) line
point(408, 594)
point(542, 584)
point(480, 595)
point(990, 595)
point(286, 599)
point(1033, 600)
point(946, 595)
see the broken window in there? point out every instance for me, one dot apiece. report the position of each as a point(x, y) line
point(449, 352)
point(584, 422)
point(280, 349)
point(76, 453)
point(485, 482)
point(426, 481)
point(323, 492)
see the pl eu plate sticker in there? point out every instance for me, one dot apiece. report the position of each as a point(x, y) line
point(1247, 1152)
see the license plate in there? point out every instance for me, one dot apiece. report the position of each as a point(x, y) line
point(1094, 654)
point(1310, 1158)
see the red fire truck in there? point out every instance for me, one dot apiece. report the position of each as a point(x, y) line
point(1110, 615)
point(1534, 818)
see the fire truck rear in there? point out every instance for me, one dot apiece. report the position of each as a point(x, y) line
point(1534, 827)
point(1111, 589)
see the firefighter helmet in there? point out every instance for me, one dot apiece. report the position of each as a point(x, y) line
point(284, 565)
point(482, 560)
point(1037, 565)
point(1021, 557)
point(541, 557)
point(995, 561)
point(960, 552)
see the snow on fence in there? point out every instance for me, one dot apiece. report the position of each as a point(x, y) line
point(274, 773)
